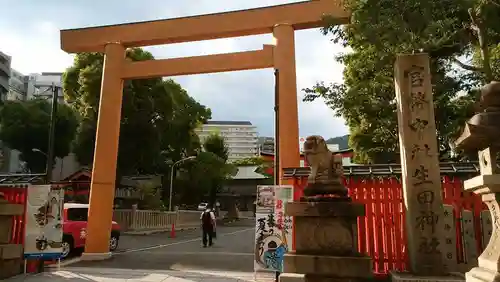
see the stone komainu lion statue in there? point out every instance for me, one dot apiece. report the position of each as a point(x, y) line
point(326, 169)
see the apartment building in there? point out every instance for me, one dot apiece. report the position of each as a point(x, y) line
point(35, 85)
point(5, 69)
point(17, 86)
point(240, 137)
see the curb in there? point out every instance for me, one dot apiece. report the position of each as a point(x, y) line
point(236, 219)
point(150, 232)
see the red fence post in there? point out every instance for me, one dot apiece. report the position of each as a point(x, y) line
point(16, 195)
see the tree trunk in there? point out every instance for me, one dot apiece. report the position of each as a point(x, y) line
point(482, 37)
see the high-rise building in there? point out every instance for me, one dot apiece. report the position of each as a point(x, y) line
point(5, 62)
point(240, 137)
point(18, 85)
point(41, 86)
point(32, 86)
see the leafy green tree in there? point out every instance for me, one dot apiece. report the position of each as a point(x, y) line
point(24, 126)
point(217, 145)
point(381, 29)
point(196, 179)
point(151, 197)
point(216, 153)
point(249, 161)
point(157, 116)
point(205, 175)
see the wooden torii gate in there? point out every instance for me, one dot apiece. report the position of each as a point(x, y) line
point(113, 40)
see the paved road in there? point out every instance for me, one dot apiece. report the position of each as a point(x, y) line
point(157, 258)
point(232, 251)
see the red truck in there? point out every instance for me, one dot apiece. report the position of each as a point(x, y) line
point(75, 225)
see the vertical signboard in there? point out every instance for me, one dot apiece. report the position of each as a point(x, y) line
point(273, 232)
point(44, 219)
point(302, 140)
point(469, 240)
point(284, 194)
point(450, 239)
point(486, 227)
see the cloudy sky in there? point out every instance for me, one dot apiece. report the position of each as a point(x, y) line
point(29, 32)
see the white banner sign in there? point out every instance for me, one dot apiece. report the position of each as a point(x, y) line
point(44, 219)
point(302, 140)
point(273, 232)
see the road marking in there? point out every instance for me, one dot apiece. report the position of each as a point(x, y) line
point(177, 243)
point(65, 262)
point(200, 253)
point(175, 272)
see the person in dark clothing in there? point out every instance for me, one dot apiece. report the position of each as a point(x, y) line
point(207, 226)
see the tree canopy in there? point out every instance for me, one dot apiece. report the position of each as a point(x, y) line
point(157, 116)
point(216, 144)
point(25, 127)
point(448, 30)
point(215, 156)
point(207, 173)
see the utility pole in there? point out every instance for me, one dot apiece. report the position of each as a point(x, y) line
point(52, 129)
point(276, 128)
point(50, 149)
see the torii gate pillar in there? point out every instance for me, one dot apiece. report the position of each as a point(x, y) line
point(284, 62)
point(102, 191)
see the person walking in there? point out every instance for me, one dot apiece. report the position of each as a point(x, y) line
point(208, 226)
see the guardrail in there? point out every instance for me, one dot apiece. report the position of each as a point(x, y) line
point(146, 220)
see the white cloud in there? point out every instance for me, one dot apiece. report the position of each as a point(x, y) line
point(37, 50)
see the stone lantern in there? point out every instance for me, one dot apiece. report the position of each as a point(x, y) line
point(482, 134)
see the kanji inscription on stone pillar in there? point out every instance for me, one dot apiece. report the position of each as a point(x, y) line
point(420, 165)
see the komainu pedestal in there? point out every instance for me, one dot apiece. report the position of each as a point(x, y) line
point(325, 220)
point(325, 248)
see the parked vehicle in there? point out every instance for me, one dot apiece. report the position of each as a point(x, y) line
point(202, 206)
point(75, 228)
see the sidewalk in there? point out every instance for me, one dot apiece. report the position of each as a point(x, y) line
point(86, 274)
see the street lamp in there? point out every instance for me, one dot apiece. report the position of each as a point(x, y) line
point(172, 179)
point(39, 151)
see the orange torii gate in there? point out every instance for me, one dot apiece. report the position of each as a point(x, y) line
point(113, 40)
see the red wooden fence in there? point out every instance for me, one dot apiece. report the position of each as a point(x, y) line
point(381, 232)
point(16, 195)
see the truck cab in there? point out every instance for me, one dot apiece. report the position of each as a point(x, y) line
point(75, 228)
